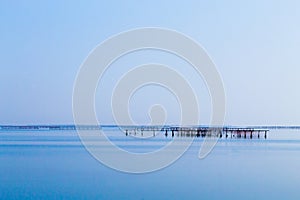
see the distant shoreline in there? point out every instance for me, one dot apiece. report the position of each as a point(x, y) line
point(75, 127)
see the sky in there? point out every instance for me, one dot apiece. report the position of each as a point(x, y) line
point(255, 46)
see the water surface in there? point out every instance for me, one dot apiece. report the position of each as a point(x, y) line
point(54, 164)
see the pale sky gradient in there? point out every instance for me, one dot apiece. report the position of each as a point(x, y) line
point(255, 46)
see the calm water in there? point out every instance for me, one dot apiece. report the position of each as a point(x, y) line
point(54, 164)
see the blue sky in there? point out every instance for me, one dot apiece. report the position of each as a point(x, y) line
point(255, 46)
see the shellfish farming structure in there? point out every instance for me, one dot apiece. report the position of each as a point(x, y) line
point(168, 131)
point(192, 131)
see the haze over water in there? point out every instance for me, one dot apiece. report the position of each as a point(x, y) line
point(254, 46)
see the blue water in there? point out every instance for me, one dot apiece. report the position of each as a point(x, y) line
point(55, 165)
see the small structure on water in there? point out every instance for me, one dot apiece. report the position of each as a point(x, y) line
point(221, 132)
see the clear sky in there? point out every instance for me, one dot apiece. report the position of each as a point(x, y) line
point(254, 44)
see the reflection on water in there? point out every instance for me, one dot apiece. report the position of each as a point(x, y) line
point(54, 164)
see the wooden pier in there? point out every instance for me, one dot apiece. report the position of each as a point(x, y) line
point(221, 132)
